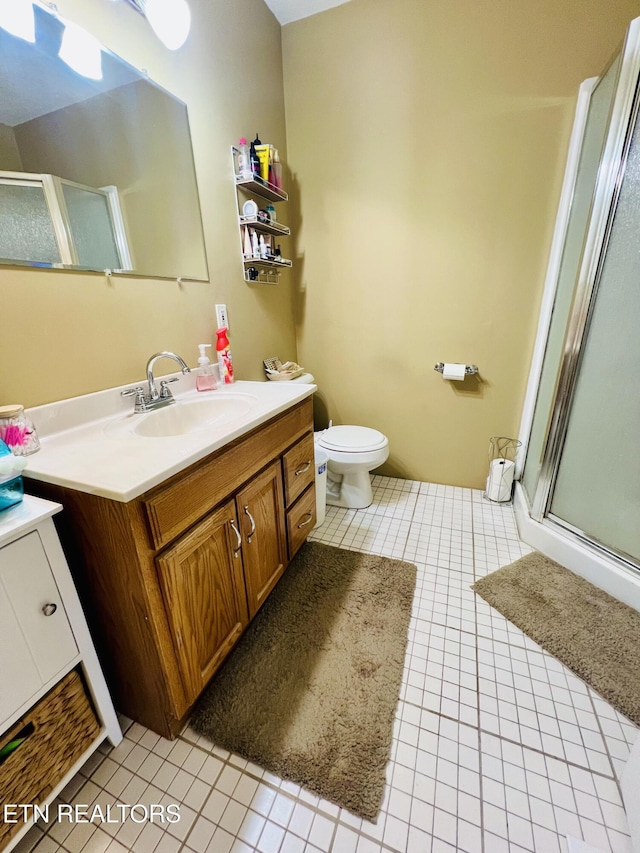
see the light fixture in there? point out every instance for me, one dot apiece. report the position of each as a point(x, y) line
point(169, 19)
point(17, 18)
point(81, 51)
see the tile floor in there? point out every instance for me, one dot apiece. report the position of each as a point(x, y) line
point(497, 746)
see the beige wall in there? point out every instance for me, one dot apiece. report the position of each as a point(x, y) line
point(427, 143)
point(426, 147)
point(71, 333)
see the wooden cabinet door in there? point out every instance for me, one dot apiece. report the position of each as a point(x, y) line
point(203, 590)
point(260, 507)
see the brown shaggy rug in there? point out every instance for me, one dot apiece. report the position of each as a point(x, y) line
point(311, 689)
point(594, 634)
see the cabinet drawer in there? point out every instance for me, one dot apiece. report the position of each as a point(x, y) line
point(299, 468)
point(45, 643)
point(300, 520)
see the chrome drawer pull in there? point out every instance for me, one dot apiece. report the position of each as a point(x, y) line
point(303, 468)
point(238, 537)
point(253, 524)
point(308, 521)
point(49, 609)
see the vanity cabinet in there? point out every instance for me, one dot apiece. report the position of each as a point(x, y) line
point(216, 576)
point(171, 579)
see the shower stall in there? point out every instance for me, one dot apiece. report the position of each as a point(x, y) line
point(578, 496)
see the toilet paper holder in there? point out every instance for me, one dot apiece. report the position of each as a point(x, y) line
point(469, 369)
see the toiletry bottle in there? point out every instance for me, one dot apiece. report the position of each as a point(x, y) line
point(276, 170)
point(247, 247)
point(206, 379)
point(224, 356)
point(244, 159)
point(263, 156)
point(255, 162)
point(255, 244)
point(272, 213)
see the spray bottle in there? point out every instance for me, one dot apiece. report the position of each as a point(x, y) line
point(206, 379)
point(224, 356)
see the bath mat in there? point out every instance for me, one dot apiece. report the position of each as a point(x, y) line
point(311, 689)
point(594, 634)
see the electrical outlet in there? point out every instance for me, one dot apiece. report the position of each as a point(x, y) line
point(222, 316)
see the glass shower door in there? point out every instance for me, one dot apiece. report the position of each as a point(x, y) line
point(91, 225)
point(589, 160)
point(26, 227)
point(587, 478)
point(597, 488)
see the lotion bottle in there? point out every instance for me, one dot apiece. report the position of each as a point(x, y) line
point(206, 379)
point(244, 159)
point(224, 356)
point(276, 170)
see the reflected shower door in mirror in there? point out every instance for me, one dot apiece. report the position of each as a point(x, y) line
point(47, 221)
point(94, 174)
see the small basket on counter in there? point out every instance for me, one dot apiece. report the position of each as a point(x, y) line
point(276, 371)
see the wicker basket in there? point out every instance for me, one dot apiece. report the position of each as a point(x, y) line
point(61, 726)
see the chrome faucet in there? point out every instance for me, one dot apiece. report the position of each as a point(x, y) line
point(155, 399)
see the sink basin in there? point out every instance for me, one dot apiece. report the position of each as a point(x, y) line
point(186, 417)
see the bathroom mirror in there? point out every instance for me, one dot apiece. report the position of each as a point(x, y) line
point(94, 174)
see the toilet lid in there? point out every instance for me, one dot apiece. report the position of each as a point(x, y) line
point(352, 438)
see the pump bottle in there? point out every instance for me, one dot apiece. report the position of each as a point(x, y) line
point(206, 379)
point(224, 356)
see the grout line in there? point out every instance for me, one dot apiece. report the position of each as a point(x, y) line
point(475, 611)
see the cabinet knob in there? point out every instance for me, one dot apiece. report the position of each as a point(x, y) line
point(49, 609)
point(308, 519)
point(303, 468)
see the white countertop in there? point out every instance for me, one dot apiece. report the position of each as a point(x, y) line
point(88, 443)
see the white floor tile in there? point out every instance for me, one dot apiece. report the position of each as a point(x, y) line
point(497, 747)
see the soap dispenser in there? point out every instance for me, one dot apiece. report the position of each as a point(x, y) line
point(206, 379)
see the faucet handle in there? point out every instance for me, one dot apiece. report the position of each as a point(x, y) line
point(129, 392)
point(164, 391)
point(140, 401)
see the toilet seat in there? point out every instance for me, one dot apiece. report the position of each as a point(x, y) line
point(352, 439)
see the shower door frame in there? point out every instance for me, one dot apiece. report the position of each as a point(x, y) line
point(611, 171)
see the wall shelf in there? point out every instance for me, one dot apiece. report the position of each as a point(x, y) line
point(259, 269)
point(266, 227)
point(264, 189)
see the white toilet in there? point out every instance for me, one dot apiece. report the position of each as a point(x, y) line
point(353, 452)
